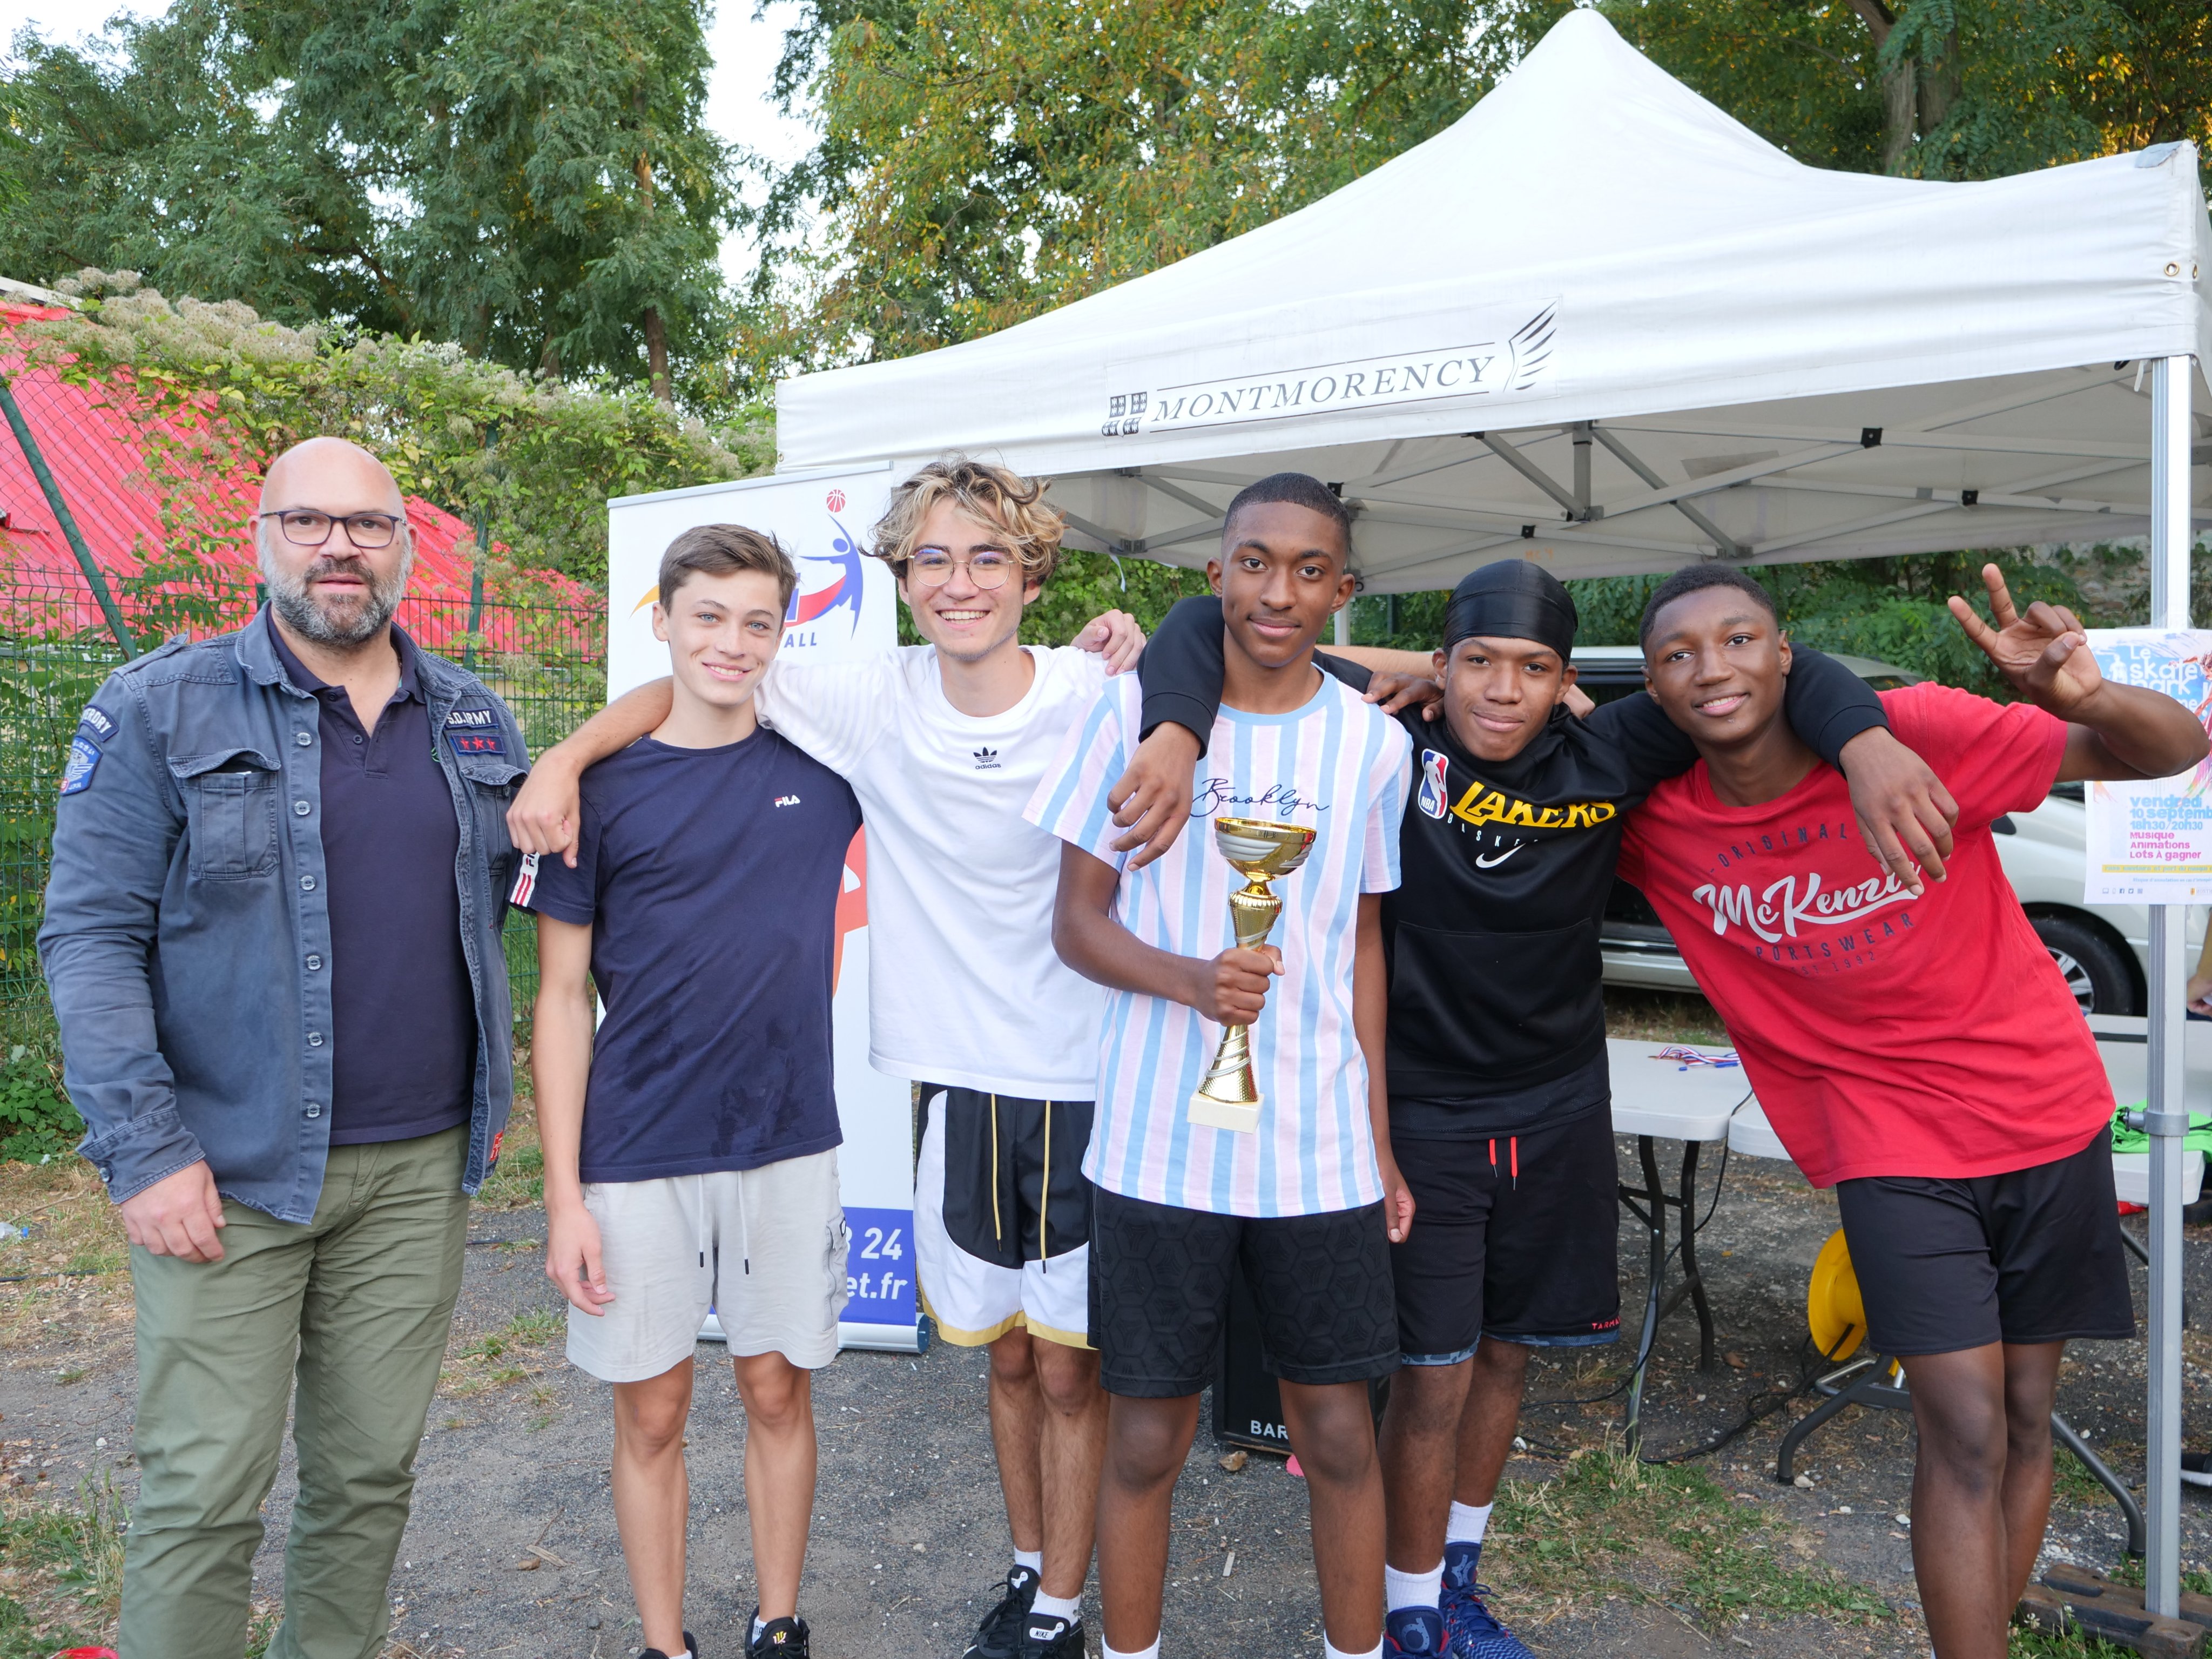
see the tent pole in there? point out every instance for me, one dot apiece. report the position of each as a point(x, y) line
point(2168, 1118)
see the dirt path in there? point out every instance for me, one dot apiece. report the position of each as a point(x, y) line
point(1590, 1557)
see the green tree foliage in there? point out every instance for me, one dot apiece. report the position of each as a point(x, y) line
point(1942, 88)
point(530, 177)
point(216, 391)
point(982, 161)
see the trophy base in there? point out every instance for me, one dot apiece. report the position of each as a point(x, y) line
point(1242, 1116)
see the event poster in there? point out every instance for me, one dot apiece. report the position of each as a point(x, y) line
point(2151, 843)
point(845, 606)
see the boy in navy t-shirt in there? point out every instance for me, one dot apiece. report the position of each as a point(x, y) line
point(690, 1144)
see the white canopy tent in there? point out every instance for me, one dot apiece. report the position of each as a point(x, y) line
point(1598, 321)
point(1599, 317)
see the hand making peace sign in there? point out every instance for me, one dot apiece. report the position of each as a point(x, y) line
point(2044, 655)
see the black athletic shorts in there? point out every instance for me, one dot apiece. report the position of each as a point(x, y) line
point(1014, 1187)
point(1159, 1294)
point(1513, 1238)
point(2031, 1255)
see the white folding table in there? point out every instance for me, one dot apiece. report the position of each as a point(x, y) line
point(2123, 1044)
point(1656, 1099)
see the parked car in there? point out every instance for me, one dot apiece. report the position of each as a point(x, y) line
point(2103, 950)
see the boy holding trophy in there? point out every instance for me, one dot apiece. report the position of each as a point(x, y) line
point(1263, 1148)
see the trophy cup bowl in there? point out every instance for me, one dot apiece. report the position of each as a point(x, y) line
point(1258, 849)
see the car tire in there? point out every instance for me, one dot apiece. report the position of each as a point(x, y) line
point(2092, 967)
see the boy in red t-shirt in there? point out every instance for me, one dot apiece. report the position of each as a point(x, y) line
point(1920, 1054)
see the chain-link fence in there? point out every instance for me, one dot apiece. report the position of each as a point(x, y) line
point(547, 661)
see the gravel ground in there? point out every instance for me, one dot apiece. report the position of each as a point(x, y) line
point(909, 1538)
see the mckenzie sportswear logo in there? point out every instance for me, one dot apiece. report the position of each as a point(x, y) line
point(1775, 915)
point(986, 760)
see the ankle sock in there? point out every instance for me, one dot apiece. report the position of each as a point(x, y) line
point(1469, 1522)
point(1411, 1589)
point(1069, 1608)
point(1152, 1652)
point(759, 1624)
point(1033, 1559)
point(1330, 1650)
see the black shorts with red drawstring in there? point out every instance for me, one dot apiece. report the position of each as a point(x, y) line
point(1513, 1237)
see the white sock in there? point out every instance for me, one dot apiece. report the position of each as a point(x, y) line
point(1469, 1522)
point(1152, 1652)
point(1069, 1608)
point(1330, 1650)
point(1411, 1589)
point(1033, 1559)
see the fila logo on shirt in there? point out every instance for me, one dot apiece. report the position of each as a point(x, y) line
point(787, 800)
point(986, 760)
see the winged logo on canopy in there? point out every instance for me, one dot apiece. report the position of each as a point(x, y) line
point(1485, 363)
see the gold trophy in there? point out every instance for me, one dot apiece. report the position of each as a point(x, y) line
point(1228, 1098)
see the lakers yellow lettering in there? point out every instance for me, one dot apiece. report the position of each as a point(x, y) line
point(1481, 805)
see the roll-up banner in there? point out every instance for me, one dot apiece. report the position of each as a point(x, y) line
point(845, 606)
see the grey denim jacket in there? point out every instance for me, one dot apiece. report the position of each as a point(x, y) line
point(188, 936)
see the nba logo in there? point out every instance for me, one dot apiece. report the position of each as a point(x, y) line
point(1433, 796)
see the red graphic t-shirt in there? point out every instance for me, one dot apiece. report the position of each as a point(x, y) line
point(1885, 1035)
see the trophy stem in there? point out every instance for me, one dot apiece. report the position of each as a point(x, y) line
point(1258, 849)
point(1228, 1097)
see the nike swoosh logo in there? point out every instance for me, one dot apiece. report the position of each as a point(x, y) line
point(1486, 861)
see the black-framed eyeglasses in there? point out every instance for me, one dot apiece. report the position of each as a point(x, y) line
point(988, 567)
point(305, 526)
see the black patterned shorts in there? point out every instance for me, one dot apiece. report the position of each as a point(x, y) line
point(1159, 1294)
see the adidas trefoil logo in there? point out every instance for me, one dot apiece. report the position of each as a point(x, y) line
point(986, 760)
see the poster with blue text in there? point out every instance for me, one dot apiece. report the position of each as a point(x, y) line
point(2151, 843)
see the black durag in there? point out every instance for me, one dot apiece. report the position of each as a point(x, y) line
point(1512, 600)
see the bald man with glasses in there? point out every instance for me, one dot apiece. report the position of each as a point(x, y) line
point(272, 935)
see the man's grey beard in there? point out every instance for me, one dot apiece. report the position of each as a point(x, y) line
point(344, 628)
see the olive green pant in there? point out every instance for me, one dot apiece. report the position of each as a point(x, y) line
point(359, 1301)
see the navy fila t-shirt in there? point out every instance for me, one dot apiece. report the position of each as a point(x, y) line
point(709, 879)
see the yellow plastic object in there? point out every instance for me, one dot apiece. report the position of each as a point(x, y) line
point(1832, 1308)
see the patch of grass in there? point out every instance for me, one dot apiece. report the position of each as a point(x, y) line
point(2071, 1482)
point(61, 1570)
point(1608, 1525)
point(1650, 1016)
point(70, 1282)
point(517, 1180)
point(538, 1326)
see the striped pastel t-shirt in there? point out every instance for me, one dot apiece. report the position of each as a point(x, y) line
point(1337, 765)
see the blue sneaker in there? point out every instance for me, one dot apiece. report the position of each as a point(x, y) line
point(1414, 1631)
point(1461, 1561)
point(1474, 1633)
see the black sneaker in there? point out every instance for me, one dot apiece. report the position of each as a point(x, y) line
point(1047, 1635)
point(999, 1635)
point(690, 1641)
point(780, 1638)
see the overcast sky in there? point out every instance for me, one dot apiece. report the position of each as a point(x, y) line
point(738, 104)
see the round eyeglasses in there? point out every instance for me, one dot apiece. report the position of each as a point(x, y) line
point(932, 567)
point(304, 527)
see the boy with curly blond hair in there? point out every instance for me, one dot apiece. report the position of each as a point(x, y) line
point(943, 743)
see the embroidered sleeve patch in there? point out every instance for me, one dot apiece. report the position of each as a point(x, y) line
point(96, 723)
point(476, 732)
point(83, 760)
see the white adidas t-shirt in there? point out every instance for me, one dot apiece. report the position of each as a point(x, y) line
point(964, 987)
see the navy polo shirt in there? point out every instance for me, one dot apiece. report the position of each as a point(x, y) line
point(402, 1015)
